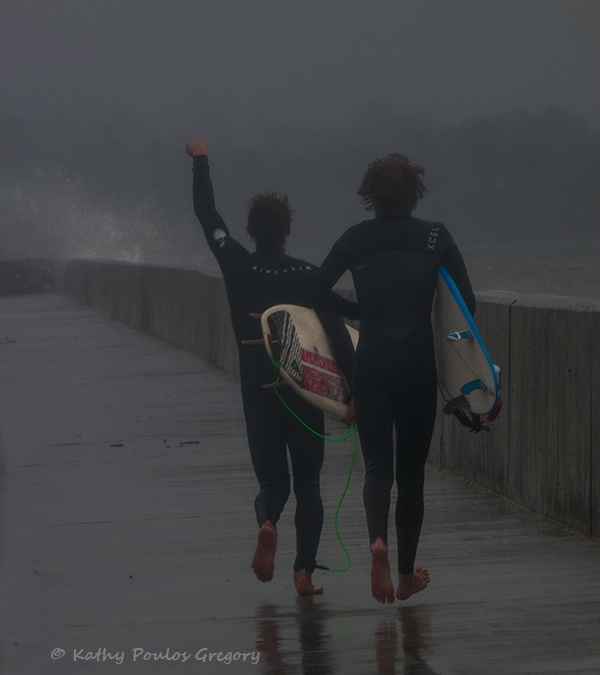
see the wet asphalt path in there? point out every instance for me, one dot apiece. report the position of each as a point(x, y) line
point(127, 531)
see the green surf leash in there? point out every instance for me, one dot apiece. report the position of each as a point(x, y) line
point(351, 430)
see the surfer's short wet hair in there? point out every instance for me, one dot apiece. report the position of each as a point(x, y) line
point(269, 219)
point(392, 186)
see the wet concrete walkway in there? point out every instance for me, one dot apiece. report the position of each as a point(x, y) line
point(127, 531)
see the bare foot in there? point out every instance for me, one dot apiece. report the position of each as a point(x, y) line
point(382, 587)
point(304, 585)
point(263, 562)
point(409, 584)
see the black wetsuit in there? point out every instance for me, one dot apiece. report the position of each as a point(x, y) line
point(394, 263)
point(255, 282)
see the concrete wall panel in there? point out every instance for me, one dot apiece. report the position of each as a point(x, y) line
point(594, 468)
point(30, 276)
point(550, 421)
point(483, 457)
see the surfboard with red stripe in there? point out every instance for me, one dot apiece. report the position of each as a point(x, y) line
point(299, 347)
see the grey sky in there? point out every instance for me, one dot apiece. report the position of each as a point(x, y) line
point(494, 97)
point(326, 60)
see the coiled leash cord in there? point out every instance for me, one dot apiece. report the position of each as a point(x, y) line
point(351, 430)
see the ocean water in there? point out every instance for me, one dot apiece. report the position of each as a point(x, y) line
point(573, 274)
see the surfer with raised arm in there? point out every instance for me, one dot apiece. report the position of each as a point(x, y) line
point(256, 281)
point(394, 259)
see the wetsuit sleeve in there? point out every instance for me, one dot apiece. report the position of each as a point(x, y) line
point(334, 265)
point(332, 268)
point(228, 252)
point(454, 263)
point(337, 304)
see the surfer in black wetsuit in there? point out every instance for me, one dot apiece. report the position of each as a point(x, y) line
point(254, 282)
point(394, 260)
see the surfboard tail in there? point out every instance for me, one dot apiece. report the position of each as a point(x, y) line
point(468, 378)
point(460, 407)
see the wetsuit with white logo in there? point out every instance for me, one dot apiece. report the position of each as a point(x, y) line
point(394, 263)
point(254, 282)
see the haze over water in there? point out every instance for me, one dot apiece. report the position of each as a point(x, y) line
point(498, 101)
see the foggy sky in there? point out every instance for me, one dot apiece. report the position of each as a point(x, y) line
point(294, 96)
point(170, 60)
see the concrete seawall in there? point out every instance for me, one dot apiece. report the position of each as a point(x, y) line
point(543, 451)
point(24, 276)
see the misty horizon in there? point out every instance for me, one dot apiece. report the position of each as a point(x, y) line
point(115, 187)
point(499, 102)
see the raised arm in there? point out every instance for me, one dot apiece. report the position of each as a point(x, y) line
point(215, 229)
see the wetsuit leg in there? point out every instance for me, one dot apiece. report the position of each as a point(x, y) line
point(374, 416)
point(266, 429)
point(306, 452)
point(415, 409)
point(390, 393)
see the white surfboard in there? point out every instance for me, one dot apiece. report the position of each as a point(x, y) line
point(468, 379)
point(299, 348)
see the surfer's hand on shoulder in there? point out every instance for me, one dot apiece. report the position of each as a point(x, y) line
point(196, 147)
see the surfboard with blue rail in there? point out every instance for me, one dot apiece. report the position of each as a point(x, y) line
point(468, 379)
point(298, 346)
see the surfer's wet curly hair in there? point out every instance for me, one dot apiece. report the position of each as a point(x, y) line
point(269, 219)
point(392, 186)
